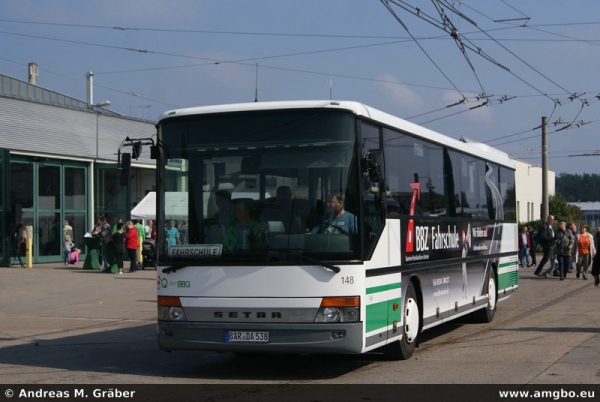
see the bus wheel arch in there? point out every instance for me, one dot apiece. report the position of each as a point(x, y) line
point(412, 323)
point(486, 315)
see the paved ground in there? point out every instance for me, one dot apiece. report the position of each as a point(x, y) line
point(65, 325)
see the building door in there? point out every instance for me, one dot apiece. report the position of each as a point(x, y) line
point(52, 196)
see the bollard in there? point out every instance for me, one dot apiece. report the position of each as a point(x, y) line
point(139, 254)
point(29, 246)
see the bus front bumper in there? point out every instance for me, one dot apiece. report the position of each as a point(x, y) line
point(282, 338)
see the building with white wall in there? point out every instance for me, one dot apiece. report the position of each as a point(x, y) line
point(528, 180)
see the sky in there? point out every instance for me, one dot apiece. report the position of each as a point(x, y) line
point(490, 73)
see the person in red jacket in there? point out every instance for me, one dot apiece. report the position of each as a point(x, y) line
point(524, 247)
point(131, 245)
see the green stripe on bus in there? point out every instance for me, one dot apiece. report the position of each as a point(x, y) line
point(384, 288)
point(508, 279)
point(508, 264)
point(380, 315)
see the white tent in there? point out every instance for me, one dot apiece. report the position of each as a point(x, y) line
point(176, 206)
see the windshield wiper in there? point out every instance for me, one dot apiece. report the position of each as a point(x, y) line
point(174, 268)
point(324, 264)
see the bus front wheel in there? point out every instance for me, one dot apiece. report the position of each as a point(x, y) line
point(404, 348)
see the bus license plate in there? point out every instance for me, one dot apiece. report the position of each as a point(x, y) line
point(246, 336)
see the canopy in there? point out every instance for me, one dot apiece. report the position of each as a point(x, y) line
point(176, 206)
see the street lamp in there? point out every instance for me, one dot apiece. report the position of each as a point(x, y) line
point(101, 104)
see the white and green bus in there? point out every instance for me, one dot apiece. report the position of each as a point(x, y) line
point(325, 227)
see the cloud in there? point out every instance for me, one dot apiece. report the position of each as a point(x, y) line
point(408, 100)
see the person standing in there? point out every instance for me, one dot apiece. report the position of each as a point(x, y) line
point(524, 242)
point(68, 245)
point(596, 269)
point(141, 237)
point(148, 229)
point(183, 232)
point(106, 229)
point(172, 234)
point(533, 235)
point(573, 260)
point(547, 242)
point(564, 245)
point(585, 251)
point(114, 228)
point(68, 229)
point(151, 230)
point(118, 239)
point(105, 233)
point(131, 245)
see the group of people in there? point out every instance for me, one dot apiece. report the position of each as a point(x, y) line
point(242, 230)
point(565, 248)
point(124, 238)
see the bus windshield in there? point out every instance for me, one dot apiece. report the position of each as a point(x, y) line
point(258, 188)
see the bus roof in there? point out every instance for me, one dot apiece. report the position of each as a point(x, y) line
point(467, 146)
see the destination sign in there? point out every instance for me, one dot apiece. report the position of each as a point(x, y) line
point(196, 251)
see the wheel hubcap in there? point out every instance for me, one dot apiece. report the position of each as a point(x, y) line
point(411, 320)
point(492, 293)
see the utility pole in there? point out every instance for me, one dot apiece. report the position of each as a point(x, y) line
point(545, 203)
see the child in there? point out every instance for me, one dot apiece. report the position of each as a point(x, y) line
point(74, 256)
point(67, 249)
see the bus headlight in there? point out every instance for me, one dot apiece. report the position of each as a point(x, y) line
point(339, 309)
point(176, 314)
point(331, 314)
point(350, 314)
point(170, 309)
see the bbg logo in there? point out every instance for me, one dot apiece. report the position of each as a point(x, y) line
point(180, 284)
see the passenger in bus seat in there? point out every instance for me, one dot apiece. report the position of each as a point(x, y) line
point(245, 233)
point(224, 216)
point(282, 210)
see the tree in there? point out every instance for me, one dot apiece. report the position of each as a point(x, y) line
point(579, 188)
point(560, 208)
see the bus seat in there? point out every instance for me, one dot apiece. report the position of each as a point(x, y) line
point(213, 234)
point(275, 227)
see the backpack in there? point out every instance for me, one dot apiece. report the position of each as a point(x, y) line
point(537, 236)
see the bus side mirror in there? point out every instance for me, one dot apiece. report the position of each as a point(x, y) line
point(154, 152)
point(136, 150)
point(125, 169)
point(374, 164)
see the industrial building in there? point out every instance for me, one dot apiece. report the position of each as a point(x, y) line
point(58, 162)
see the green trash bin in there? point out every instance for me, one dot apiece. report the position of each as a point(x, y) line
point(108, 251)
point(91, 259)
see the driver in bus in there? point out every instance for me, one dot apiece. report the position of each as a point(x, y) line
point(338, 220)
point(245, 233)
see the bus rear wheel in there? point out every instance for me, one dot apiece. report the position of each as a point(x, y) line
point(411, 316)
point(486, 315)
